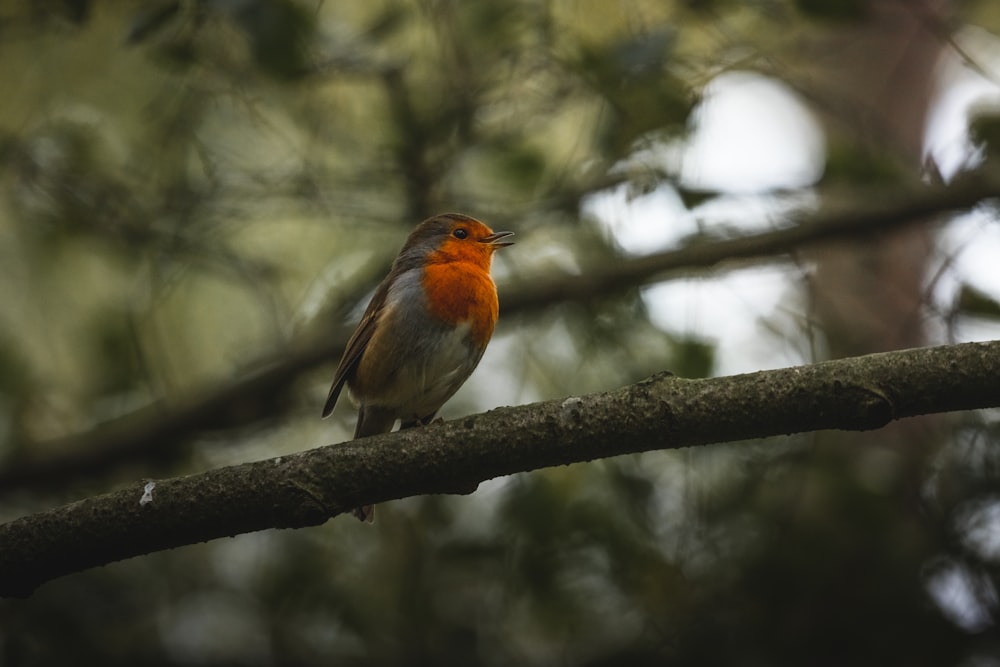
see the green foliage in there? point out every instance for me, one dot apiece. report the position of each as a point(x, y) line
point(850, 164)
point(834, 10)
point(277, 32)
point(984, 130)
point(975, 302)
point(694, 358)
point(633, 75)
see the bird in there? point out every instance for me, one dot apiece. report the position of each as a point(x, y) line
point(425, 329)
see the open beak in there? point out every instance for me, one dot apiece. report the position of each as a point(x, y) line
point(494, 239)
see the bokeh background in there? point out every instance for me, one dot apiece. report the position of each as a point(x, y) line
point(194, 193)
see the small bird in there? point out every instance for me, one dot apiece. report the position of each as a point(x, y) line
point(425, 329)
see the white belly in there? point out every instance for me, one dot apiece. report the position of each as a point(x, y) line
point(430, 378)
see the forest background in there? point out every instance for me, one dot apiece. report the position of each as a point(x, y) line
point(197, 198)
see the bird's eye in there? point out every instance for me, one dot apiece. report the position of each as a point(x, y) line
point(460, 233)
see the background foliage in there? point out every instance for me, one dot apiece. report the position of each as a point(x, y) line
point(190, 189)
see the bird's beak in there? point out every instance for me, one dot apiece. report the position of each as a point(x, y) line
point(494, 239)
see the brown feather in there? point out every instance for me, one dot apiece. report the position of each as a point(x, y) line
point(356, 346)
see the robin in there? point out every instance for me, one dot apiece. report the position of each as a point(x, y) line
point(425, 329)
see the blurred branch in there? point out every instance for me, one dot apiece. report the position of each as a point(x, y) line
point(891, 212)
point(412, 145)
point(161, 427)
point(662, 412)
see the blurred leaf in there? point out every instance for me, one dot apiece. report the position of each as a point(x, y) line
point(14, 371)
point(984, 129)
point(389, 22)
point(150, 19)
point(76, 11)
point(633, 77)
point(693, 358)
point(177, 54)
point(974, 302)
point(279, 32)
point(850, 164)
point(708, 7)
point(522, 166)
point(114, 347)
point(834, 10)
point(695, 198)
point(642, 55)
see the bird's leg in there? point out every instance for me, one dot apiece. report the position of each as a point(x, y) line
point(421, 421)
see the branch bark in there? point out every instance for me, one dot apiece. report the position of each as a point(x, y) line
point(662, 412)
point(161, 426)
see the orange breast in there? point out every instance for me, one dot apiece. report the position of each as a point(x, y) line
point(462, 291)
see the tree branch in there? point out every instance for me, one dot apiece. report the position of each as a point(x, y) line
point(892, 211)
point(163, 425)
point(159, 428)
point(663, 412)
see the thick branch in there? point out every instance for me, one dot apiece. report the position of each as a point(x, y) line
point(663, 412)
point(162, 425)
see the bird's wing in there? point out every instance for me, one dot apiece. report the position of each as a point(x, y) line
point(356, 346)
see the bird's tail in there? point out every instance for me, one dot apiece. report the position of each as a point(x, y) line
point(372, 421)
